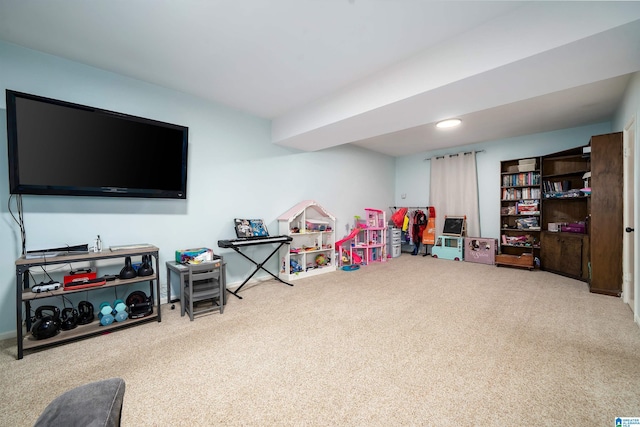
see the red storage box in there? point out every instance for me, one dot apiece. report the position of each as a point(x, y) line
point(480, 250)
point(80, 277)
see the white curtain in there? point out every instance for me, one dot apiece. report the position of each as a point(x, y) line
point(454, 190)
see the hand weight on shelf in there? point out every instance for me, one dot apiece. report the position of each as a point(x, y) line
point(85, 313)
point(68, 319)
point(120, 310)
point(106, 314)
point(119, 305)
point(46, 326)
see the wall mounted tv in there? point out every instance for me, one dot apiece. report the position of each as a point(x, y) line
point(60, 148)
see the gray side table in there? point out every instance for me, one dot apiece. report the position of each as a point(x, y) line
point(183, 274)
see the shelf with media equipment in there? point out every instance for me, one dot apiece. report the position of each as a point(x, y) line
point(520, 213)
point(138, 307)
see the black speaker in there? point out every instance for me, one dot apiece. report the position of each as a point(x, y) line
point(139, 304)
point(69, 319)
point(85, 313)
point(145, 269)
point(46, 326)
point(127, 271)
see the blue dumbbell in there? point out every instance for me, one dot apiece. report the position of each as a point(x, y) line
point(120, 310)
point(106, 314)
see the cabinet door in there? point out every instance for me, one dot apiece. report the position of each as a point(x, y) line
point(562, 253)
point(606, 214)
point(551, 253)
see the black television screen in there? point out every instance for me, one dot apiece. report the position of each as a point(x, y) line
point(60, 148)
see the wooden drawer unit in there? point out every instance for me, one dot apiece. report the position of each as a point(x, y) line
point(522, 261)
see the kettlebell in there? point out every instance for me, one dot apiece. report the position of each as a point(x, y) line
point(46, 326)
point(69, 319)
point(127, 272)
point(145, 269)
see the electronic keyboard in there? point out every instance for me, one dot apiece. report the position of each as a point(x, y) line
point(255, 240)
point(237, 244)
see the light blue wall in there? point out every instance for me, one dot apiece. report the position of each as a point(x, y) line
point(630, 110)
point(412, 172)
point(234, 170)
point(630, 106)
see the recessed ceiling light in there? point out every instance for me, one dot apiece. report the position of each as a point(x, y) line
point(449, 123)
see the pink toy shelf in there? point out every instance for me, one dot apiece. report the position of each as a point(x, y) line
point(366, 243)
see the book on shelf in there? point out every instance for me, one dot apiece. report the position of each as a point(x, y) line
point(521, 179)
point(556, 186)
point(520, 193)
point(528, 207)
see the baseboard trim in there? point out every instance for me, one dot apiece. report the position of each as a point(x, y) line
point(8, 335)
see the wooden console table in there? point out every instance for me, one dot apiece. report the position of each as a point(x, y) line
point(24, 296)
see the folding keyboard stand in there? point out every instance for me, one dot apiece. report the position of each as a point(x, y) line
point(259, 266)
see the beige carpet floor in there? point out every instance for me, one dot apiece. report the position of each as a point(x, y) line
point(414, 341)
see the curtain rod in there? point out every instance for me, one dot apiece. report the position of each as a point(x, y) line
point(466, 152)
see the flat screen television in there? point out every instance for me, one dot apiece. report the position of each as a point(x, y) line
point(60, 148)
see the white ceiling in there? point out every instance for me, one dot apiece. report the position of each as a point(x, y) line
point(375, 73)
